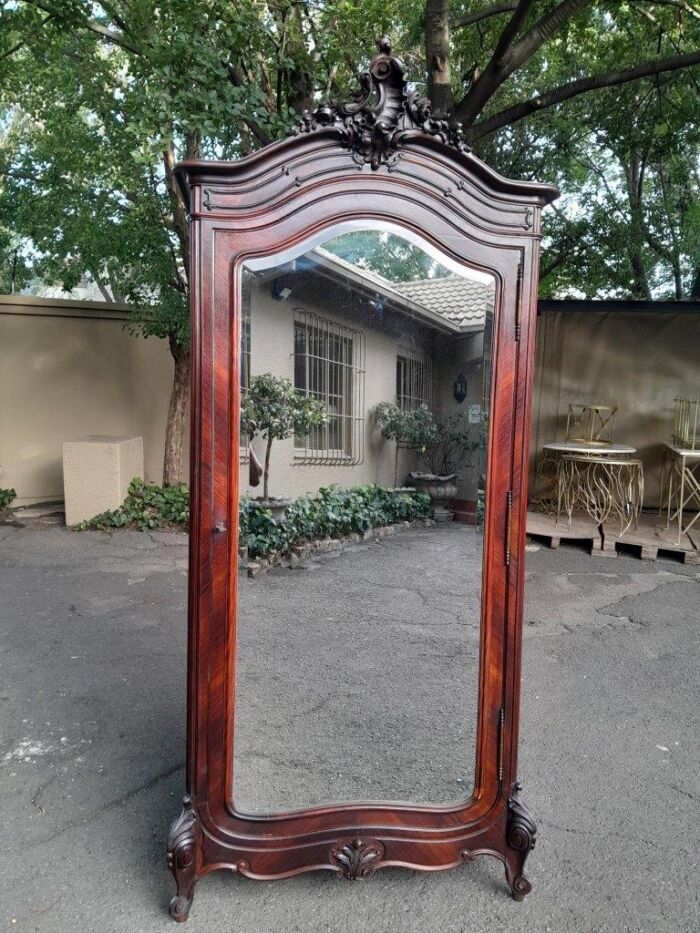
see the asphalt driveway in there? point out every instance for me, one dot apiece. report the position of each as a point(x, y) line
point(92, 714)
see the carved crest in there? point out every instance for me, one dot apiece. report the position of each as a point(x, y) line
point(381, 114)
point(357, 858)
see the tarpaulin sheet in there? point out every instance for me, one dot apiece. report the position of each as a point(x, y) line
point(639, 361)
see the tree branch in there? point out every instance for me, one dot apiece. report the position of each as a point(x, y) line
point(118, 19)
point(679, 4)
point(22, 42)
point(581, 86)
point(461, 21)
point(544, 29)
point(496, 71)
point(237, 79)
point(437, 54)
point(179, 213)
point(114, 37)
point(110, 35)
point(511, 30)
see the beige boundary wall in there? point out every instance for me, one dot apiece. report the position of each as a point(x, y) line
point(69, 369)
point(637, 360)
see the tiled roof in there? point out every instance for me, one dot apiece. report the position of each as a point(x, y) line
point(455, 297)
point(462, 301)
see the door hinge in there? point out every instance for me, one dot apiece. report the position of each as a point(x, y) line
point(501, 739)
point(509, 514)
point(518, 298)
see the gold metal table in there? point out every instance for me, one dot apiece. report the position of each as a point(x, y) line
point(680, 485)
point(605, 487)
point(547, 479)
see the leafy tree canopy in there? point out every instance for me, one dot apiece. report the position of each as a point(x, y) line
point(391, 256)
point(100, 98)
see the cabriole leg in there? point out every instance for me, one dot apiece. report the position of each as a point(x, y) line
point(182, 859)
point(520, 835)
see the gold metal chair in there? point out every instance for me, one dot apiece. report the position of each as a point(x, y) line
point(591, 424)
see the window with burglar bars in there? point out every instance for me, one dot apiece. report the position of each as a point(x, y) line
point(414, 379)
point(329, 365)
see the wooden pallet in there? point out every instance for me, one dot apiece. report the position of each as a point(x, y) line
point(651, 536)
point(553, 533)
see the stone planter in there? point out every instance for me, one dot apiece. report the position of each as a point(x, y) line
point(278, 507)
point(440, 489)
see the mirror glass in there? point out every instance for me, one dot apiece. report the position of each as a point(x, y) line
point(365, 381)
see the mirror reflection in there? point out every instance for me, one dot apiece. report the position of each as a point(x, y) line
point(365, 383)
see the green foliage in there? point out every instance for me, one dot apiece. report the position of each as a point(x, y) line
point(99, 100)
point(593, 146)
point(451, 445)
point(279, 411)
point(147, 506)
point(391, 256)
point(411, 427)
point(259, 532)
point(330, 513)
point(444, 445)
point(7, 497)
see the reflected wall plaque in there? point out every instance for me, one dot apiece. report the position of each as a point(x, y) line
point(354, 657)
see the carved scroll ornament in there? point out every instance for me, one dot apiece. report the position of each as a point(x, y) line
point(383, 111)
point(521, 827)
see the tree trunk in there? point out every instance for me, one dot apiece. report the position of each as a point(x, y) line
point(180, 392)
point(634, 174)
point(300, 78)
point(177, 415)
point(266, 470)
point(695, 289)
point(437, 54)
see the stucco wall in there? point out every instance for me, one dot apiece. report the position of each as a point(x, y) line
point(454, 357)
point(636, 360)
point(68, 369)
point(272, 350)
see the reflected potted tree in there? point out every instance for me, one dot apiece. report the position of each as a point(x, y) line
point(276, 411)
point(414, 428)
point(445, 454)
point(444, 446)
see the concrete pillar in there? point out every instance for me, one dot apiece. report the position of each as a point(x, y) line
point(97, 471)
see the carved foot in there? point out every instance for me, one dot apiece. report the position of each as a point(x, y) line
point(179, 907)
point(520, 835)
point(182, 859)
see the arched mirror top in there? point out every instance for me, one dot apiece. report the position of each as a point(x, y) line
point(389, 134)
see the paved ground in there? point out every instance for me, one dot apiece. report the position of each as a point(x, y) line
point(364, 663)
point(91, 748)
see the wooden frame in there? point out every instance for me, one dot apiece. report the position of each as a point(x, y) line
point(383, 159)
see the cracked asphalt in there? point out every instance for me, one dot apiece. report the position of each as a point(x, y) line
point(92, 715)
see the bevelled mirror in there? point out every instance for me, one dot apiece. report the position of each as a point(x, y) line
point(358, 634)
point(362, 330)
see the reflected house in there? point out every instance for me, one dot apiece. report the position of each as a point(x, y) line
point(364, 318)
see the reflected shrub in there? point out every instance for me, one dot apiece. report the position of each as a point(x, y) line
point(7, 497)
point(147, 506)
point(330, 513)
